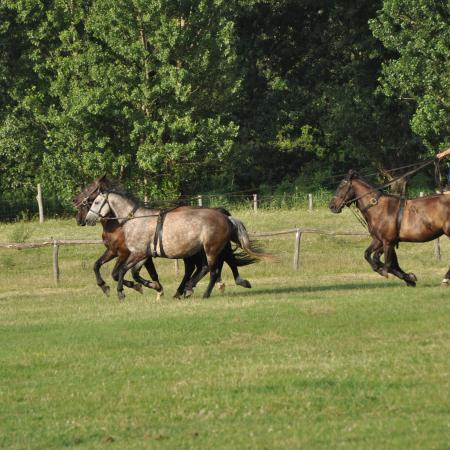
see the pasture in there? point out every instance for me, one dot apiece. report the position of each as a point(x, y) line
point(331, 356)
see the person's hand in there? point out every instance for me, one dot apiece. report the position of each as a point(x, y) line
point(442, 154)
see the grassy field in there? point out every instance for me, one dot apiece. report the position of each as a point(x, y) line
point(331, 356)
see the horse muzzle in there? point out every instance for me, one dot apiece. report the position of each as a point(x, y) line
point(91, 219)
point(334, 207)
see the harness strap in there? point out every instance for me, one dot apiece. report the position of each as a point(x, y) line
point(131, 215)
point(372, 202)
point(401, 208)
point(159, 231)
point(158, 234)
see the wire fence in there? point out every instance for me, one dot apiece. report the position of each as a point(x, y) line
point(296, 249)
point(26, 208)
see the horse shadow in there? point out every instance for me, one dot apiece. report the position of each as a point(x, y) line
point(325, 288)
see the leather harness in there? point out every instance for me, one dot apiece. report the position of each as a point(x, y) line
point(401, 208)
point(159, 233)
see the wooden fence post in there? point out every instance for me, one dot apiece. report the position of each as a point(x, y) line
point(56, 261)
point(40, 203)
point(255, 202)
point(200, 200)
point(310, 202)
point(437, 249)
point(298, 236)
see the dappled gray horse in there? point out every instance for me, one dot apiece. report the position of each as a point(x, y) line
point(185, 231)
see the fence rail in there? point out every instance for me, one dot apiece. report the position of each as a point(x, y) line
point(56, 243)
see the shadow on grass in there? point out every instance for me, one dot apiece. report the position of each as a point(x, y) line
point(324, 288)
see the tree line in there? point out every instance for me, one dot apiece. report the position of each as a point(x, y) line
point(187, 96)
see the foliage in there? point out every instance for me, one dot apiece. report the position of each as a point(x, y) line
point(418, 72)
point(180, 97)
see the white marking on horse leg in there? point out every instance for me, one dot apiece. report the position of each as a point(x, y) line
point(221, 286)
point(159, 295)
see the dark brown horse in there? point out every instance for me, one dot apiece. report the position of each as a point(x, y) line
point(392, 219)
point(114, 239)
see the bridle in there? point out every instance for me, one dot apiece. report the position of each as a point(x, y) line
point(98, 214)
point(372, 202)
point(348, 181)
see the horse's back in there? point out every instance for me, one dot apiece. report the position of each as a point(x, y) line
point(426, 218)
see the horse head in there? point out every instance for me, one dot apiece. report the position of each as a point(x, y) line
point(84, 200)
point(344, 194)
point(100, 208)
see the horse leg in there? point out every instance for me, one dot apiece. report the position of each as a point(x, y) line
point(121, 282)
point(229, 258)
point(123, 268)
point(189, 267)
point(391, 266)
point(202, 270)
point(219, 282)
point(213, 275)
point(213, 258)
point(409, 278)
point(446, 279)
point(150, 266)
point(388, 250)
point(154, 284)
point(374, 247)
point(108, 255)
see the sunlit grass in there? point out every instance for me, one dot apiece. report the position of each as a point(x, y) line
point(331, 356)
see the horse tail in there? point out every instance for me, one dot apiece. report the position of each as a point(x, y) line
point(240, 236)
point(241, 259)
point(223, 210)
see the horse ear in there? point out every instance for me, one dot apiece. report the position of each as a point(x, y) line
point(350, 174)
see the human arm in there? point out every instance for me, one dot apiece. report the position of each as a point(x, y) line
point(442, 154)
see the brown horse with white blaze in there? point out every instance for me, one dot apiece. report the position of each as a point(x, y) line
point(392, 219)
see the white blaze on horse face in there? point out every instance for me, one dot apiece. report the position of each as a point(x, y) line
point(99, 208)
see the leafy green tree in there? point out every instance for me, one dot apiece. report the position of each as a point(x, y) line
point(418, 71)
point(309, 103)
point(143, 89)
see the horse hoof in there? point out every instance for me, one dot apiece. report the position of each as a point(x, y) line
point(221, 286)
point(188, 293)
point(444, 283)
point(106, 289)
point(412, 276)
point(138, 287)
point(177, 295)
point(159, 295)
point(121, 296)
point(384, 273)
point(244, 283)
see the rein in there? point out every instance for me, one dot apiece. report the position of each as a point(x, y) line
point(384, 186)
point(130, 216)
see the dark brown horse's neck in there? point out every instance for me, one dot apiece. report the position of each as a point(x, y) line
point(366, 197)
point(109, 223)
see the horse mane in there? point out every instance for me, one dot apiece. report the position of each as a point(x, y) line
point(114, 186)
point(85, 193)
point(104, 184)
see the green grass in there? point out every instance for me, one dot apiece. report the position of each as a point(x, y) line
point(331, 356)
